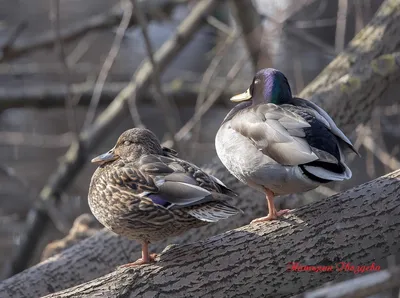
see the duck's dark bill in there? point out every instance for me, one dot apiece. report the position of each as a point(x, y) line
point(242, 96)
point(109, 156)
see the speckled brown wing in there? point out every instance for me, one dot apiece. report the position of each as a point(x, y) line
point(157, 190)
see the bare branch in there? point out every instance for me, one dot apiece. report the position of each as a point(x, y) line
point(305, 36)
point(234, 71)
point(170, 112)
point(109, 61)
point(249, 20)
point(341, 21)
point(207, 77)
point(98, 22)
point(7, 46)
point(60, 52)
point(382, 155)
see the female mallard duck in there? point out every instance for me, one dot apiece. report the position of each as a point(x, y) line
point(144, 192)
point(280, 144)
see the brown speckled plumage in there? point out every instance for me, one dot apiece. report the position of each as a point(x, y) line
point(145, 192)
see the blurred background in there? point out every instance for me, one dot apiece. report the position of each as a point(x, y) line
point(52, 54)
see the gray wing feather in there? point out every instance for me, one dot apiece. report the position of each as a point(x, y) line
point(328, 121)
point(177, 187)
point(277, 133)
point(183, 194)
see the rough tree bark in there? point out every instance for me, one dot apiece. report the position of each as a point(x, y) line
point(359, 226)
point(348, 89)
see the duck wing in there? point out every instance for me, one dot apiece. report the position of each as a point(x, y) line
point(276, 132)
point(328, 121)
point(171, 184)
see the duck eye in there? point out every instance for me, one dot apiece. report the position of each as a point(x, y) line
point(127, 143)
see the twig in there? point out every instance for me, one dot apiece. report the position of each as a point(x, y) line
point(88, 139)
point(248, 18)
point(10, 172)
point(294, 8)
point(385, 158)
point(298, 72)
point(217, 24)
point(315, 23)
point(184, 131)
point(60, 51)
point(207, 77)
point(80, 50)
point(7, 46)
point(340, 37)
point(170, 112)
point(109, 61)
point(359, 15)
point(305, 36)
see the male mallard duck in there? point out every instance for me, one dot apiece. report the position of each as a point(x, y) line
point(144, 192)
point(280, 144)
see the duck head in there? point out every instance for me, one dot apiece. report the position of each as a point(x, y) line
point(269, 86)
point(130, 146)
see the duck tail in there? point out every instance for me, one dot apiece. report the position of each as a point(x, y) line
point(215, 210)
point(324, 175)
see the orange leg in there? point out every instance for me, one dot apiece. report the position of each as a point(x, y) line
point(146, 257)
point(272, 213)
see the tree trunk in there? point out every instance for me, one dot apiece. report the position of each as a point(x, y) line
point(365, 219)
point(359, 226)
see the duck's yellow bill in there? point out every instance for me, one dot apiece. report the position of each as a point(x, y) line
point(242, 96)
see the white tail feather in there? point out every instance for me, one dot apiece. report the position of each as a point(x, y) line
point(328, 175)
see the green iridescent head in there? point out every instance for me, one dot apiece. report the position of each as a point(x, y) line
point(269, 85)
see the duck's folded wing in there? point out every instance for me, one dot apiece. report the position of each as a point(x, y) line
point(173, 188)
point(278, 133)
point(328, 121)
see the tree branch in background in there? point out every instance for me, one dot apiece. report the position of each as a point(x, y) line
point(304, 35)
point(170, 111)
point(5, 48)
point(60, 53)
point(108, 62)
point(210, 101)
point(250, 21)
point(78, 152)
point(98, 22)
point(209, 74)
point(341, 21)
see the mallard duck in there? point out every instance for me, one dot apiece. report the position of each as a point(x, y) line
point(145, 192)
point(279, 144)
